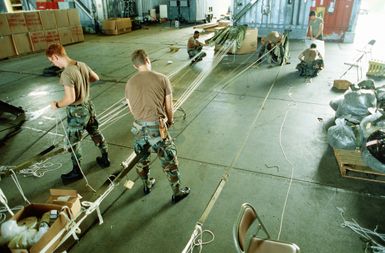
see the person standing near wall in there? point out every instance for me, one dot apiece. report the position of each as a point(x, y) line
point(316, 26)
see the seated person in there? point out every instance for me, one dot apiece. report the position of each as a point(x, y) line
point(311, 62)
point(194, 47)
point(279, 54)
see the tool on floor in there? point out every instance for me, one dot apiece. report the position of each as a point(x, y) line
point(357, 63)
point(196, 237)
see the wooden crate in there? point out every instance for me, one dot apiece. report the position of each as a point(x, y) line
point(351, 165)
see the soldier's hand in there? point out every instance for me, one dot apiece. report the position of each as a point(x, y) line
point(169, 123)
point(53, 105)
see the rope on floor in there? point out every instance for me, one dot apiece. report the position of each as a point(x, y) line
point(39, 169)
point(196, 239)
point(196, 233)
point(374, 241)
point(293, 103)
point(17, 183)
point(4, 201)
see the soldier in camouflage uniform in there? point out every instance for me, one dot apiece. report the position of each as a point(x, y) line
point(149, 98)
point(311, 62)
point(76, 78)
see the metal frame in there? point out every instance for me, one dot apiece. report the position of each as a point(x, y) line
point(246, 207)
point(267, 243)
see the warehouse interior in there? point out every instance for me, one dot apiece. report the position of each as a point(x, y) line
point(246, 131)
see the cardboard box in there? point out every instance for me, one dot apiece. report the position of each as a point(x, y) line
point(38, 41)
point(16, 22)
point(32, 19)
point(77, 34)
point(65, 35)
point(61, 17)
point(64, 197)
point(48, 20)
point(117, 26)
point(4, 27)
point(52, 37)
point(73, 17)
point(57, 228)
point(250, 43)
point(22, 43)
point(341, 84)
point(6, 47)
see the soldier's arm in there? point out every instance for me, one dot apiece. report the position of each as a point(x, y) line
point(320, 55)
point(310, 32)
point(93, 76)
point(128, 103)
point(69, 98)
point(320, 29)
point(169, 111)
point(300, 56)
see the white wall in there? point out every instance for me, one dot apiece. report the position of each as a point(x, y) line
point(219, 6)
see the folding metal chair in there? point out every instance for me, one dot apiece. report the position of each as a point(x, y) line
point(248, 216)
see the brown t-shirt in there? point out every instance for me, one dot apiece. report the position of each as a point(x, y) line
point(146, 92)
point(77, 76)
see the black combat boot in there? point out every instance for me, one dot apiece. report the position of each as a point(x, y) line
point(103, 160)
point(148, 185)
point(72, 176)
point(184, 192)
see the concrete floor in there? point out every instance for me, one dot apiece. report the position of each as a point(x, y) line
point(245, 127)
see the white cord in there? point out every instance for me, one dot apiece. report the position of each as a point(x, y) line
point(17, 183)
point(76, 158)
point(290, 94)
point(4, 201)
point(4, 210)
point(197, 240)
point(376, 241)
point(291, 176)
point(40, 168)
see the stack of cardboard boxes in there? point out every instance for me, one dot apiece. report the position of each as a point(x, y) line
point(115, 26)
point(25, 32)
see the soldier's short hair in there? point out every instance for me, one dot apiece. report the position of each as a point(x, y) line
point(196, 32)
point(57, 49)
point(138, 57)
point(312, 13)
point(313, 45)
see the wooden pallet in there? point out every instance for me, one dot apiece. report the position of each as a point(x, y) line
point(351, 165)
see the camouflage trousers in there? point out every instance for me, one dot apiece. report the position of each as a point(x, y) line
point(79, 118)
point(147, 138)
point(310, 69)
point(194, 51)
